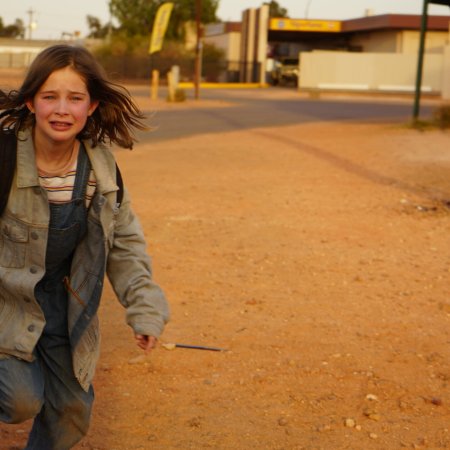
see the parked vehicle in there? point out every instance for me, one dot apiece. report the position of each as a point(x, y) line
point(286, 71)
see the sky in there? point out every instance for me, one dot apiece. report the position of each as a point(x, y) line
point(52, 18)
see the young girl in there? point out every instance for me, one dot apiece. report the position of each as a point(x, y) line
point(61, 231)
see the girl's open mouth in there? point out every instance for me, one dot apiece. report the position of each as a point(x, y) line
point(60, 125)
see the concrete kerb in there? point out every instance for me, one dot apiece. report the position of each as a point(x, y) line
point(189, 85)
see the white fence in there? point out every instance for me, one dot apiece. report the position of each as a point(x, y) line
point(383, 72)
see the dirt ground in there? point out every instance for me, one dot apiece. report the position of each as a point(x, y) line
point(317, 255)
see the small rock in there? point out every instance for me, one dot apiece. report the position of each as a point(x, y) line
point(195, 422)
point(373, 436)
point(372, 414)
point(349, 423)
point(436, 401)
point(282, 421)
point(372, 397)
point(169, 346)
point(140, 359)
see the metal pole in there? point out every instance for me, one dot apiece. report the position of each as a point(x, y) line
point(197, 76)
point(31, 23)
point(109, 36)
point(307, 8)
point(423, 30)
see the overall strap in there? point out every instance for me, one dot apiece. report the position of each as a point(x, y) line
point(82, 175)
point(8, 157)
point(119, 182)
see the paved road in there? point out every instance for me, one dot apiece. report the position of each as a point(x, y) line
point(274, 107)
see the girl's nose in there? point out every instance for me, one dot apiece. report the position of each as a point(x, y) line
point(61, 107)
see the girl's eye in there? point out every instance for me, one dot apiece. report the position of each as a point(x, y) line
point(48, 97)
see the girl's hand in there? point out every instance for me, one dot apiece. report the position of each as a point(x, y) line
point(147, 343)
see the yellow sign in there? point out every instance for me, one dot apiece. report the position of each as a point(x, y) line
point(324, 26)
point(160, 27)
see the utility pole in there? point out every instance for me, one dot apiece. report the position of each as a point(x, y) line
point(198, 48)
point(307, 8)
point(423, 31)
point(31, 23)
point(110, 23)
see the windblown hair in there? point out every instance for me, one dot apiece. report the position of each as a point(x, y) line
point(113, 121)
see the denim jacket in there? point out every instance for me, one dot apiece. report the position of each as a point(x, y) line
point(114, 245)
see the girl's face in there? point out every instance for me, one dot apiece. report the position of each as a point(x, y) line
point(61, 106)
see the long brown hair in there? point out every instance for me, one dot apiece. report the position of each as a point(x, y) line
point(113, 121)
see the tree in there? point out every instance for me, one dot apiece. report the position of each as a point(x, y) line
point(275, 10)
point(96, 29)
point(184, 11)
point(17, 29)
point(136, 16)
point(212, 62)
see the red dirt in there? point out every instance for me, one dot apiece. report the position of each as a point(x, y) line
point(317, 255)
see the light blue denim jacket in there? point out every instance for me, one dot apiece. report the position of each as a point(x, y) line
point(114, 245)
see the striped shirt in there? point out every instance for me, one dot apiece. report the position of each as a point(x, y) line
point(59, 183)
point(60, 188)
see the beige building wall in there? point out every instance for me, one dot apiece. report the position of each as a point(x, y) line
point(384, 72)
point(379, 42)
point(446, 74)
point(15, 53)
point(253, 53)
point(230, 43)
point(234, 46)
point(434, 42)
point(20, 53)
point(248, 43)
point(261, 41)
point(400, 41)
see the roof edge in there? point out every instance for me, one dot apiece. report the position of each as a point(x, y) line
point(396, 21)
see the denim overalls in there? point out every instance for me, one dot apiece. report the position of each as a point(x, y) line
point(48, 385)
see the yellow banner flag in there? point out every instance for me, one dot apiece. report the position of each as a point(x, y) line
point(160, 27)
